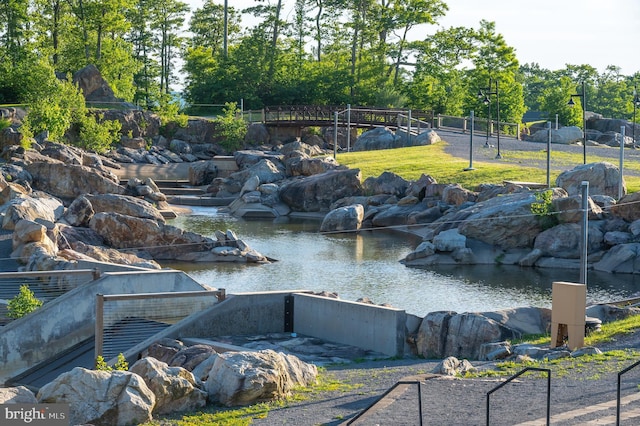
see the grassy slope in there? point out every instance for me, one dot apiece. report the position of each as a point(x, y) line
point(412, 162)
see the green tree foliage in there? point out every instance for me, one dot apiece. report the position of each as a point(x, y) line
point(231, 127)
point(23, 303)
point(96, 134)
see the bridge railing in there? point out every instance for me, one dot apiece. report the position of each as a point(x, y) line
point(480, 125)
point(318, 115)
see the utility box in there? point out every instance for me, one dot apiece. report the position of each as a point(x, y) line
point(568, 313)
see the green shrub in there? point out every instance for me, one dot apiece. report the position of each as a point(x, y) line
point(231, 127)
point(120, 365)
point(23, 303)
point(98, 135)
point(543, 209)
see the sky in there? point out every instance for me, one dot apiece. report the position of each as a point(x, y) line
point(552, 33)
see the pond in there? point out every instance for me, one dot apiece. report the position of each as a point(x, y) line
point(366, 265)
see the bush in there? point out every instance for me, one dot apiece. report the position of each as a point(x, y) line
point(120, 365)
point(98, 135)
point(23, 303)
point(231, 128)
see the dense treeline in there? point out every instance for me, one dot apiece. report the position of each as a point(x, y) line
point(328, 52)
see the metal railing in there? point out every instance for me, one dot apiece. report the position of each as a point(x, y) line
point(45, 285)
point(620, 373)
point(411, 382)
point(463, 124)
point(546, 370)
point(123, 320)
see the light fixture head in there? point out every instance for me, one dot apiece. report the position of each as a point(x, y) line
point(480, 94)
point(571, 103)
point(486, 100)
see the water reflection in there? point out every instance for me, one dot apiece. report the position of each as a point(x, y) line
point(367, 265)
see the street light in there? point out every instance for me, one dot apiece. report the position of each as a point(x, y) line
point(584, 120)
point(487, 102)
point(636, 102)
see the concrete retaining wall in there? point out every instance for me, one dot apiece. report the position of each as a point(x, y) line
point(371, 327)
point(239, 314)
point(70, 319)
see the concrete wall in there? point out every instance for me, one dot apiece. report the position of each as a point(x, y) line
point(371, 327)
point(366, 326)
point(239, 314)
point(70, 319)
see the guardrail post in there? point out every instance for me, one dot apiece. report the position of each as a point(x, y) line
point(99, 339)
point(464, 124)
point(518, 131)
point(439, 122)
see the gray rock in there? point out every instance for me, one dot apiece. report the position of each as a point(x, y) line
point(101, 397)
point(603, 179)
point(347, 218)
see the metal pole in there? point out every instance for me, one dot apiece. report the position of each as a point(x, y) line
point(548, 154)
point(498, 118)
point(556, 121)
point(635, 104)
point(584, 124)
point(620, 179)
point(348, 127)
point(335, 134)
point(471, 143)
point(584, 229)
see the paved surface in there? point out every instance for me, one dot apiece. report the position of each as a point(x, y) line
point(459, 145)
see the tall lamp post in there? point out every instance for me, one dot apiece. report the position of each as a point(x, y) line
point(583, 97)
point(487, 102)
point(481, 95)
point(636, 102)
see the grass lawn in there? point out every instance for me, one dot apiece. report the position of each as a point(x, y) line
point(412, 162)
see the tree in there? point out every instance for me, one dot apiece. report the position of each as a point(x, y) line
point(207, 27)
point(166, 21)
point(553, 99)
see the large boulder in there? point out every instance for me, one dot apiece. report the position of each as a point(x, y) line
point(175, 388)
point(93, 86)
point(40, 207)
point(70, 181)
point(316, 193)
point(347, 218)
point(564, 240)
point(504, 221)
point(564, 135)
point(244, 378)
point(444, 334)
point(17, 395)
point(305, 166)
point(377, 138)
point(125, 205)
point(627, 207)
point(101, 398)
point(386, 183)
point(603, 178)
point(202, 173)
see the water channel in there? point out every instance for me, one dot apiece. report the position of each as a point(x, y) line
point(367, 265)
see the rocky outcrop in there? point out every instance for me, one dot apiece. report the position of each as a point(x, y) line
point(316, 193)
point(175, 388)
point(445, 334)
point(17, 395)
point(603, 178)
point(101, 398)
point(67, 181)
point(347, 218)
point(243, 378)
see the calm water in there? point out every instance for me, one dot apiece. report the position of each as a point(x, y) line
point(367, 265)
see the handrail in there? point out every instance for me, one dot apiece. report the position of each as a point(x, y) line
point(620, 373)
point(548, 371)
point(402, 382)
